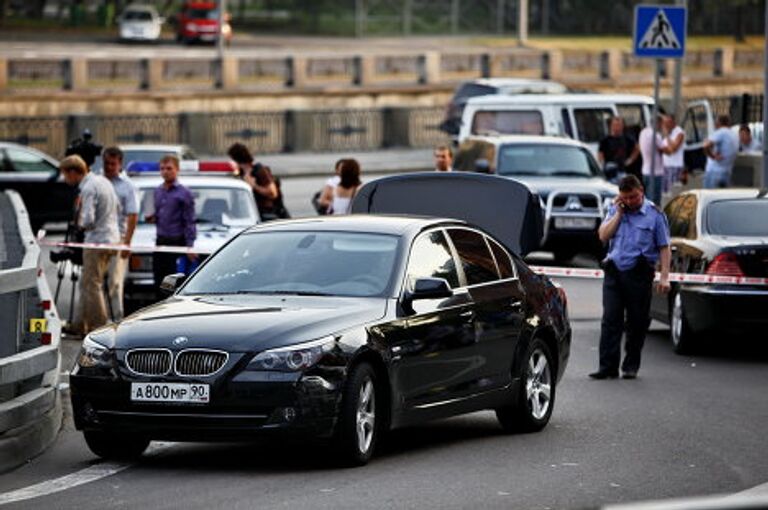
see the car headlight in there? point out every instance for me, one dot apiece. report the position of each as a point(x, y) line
point(191, 27)
point(92, 354)
point(292, 358)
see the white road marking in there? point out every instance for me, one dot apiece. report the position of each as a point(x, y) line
point(87, 475)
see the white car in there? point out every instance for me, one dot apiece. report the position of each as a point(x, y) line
point(140, 23)
point(224, 206)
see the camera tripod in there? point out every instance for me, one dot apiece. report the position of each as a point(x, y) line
point(74, 276)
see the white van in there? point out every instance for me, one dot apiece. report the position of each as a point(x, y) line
point(583, 117)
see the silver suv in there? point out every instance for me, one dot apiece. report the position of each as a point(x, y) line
point(573, 190)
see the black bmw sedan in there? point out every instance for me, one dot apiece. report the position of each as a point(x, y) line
point(339, 328)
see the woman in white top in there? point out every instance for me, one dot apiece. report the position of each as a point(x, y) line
point(345, 191)
point(673, 150)
point(326, 196)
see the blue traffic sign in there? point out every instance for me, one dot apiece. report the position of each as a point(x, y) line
point(660, 31)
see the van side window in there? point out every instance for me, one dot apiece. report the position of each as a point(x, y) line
point(517, 122)
point(592, 123)
point(567, 127)
point(634, 121)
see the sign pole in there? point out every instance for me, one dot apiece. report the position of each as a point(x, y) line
point(654, 124)
point(765, 105)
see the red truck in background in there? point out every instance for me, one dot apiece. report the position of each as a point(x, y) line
point(199, 22)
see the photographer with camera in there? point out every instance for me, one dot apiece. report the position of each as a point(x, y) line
point(84, 148)
point(97, 218)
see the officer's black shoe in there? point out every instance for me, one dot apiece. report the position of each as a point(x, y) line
point(629, 375)
point(600, 375)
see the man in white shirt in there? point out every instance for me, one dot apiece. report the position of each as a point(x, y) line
point(746, 142)
point(653, 165)
point(673, 151)
point(127, 219)
point(443, 158)
point(97, 216)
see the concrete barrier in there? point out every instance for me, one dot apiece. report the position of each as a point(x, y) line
point(30, 406)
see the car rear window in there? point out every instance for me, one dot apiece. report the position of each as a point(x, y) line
point(137, 16)
point(517, 122)
point(738, 218)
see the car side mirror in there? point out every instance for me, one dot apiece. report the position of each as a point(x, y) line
point(172, 282)
point(427, 288)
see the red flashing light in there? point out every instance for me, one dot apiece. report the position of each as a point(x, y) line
point(218, 166)
point(46, 338)
point(45, 305)
point(725, 264)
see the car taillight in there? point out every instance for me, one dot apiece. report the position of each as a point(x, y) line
point(140, 263)
point(725, 264)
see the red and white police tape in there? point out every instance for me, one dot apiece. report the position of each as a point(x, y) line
point(568, 272)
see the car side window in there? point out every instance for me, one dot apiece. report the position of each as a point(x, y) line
point(676, 227)
point(474, 255)
point(503, 260)
point(25, 161)
point(592, 123)
point(431, 257)
point(687, 215)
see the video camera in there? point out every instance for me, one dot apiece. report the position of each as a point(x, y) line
point(85, 148)
point(75, 255)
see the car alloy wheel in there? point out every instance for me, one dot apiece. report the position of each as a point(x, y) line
point(366, 415)
point(358, 429)
point(538, 384)
point(531, 405)
point(680, 332)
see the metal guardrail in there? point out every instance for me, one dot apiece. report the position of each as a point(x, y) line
point(291, 73)
point(30, 408)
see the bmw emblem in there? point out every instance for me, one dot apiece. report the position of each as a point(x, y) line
point(180, 340)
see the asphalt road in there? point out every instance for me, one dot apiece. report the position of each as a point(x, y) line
point(688, 426)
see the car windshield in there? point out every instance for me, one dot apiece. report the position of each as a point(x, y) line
point(151, 155)
point(203, 13)
point(299, 263)
point(213, 205)
point(738, 218)
point(546, 160)
point(137, 16)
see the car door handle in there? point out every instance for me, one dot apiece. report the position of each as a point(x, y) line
point(517, 305)
point(468, 315)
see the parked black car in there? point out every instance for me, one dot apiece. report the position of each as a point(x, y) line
point(35, 175)
point(716, 232)
point(337, 328)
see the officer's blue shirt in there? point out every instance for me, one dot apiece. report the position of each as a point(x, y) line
point(640, 234)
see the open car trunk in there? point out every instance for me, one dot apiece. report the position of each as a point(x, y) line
point(503, 207)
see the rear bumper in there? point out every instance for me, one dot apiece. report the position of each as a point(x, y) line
point(721, 308)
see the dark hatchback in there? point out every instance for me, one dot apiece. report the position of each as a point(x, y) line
point(338, 328)
point(716, 232)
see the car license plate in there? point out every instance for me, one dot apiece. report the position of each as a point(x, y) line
point(170, 392)
point(574, 223)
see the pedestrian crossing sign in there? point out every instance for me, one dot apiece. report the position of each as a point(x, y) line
point(660, 31)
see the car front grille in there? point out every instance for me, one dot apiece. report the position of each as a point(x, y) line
point(587, 201)
point(149, 361)
point(196, 362)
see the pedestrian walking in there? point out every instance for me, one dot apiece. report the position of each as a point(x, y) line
point(638, 237)
point(174, 219)
point(673, 151)
point(260, 178)
point(127, 218)
point(443, 158)
point(345, 192)
point(746, 142)
point(653, 164)
point(721, 149)
point(325, 198)
point(97, 217)
point(616, 151)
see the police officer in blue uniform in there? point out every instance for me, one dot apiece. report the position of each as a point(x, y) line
point(639, 238)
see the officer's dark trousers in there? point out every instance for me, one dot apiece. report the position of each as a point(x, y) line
point(164, 264)
point(625, 294)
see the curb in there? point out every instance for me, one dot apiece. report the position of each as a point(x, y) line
point(22, 444)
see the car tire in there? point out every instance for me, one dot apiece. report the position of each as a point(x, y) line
point(359, 419)
point(534, 400)
point(115, 446)
point(680, 332)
